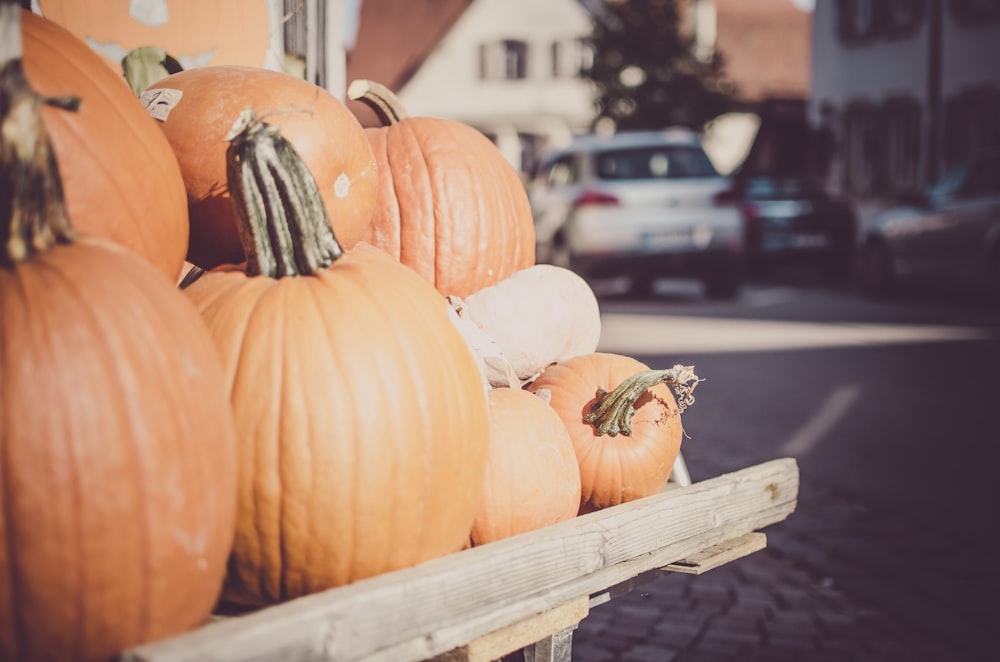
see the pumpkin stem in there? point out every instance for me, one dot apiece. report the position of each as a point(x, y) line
point(145, 65)
point(32, 208)
point(379, 98)
point(283, 222)
point(612, 413)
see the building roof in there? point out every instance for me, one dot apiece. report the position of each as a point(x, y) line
point(394, 38)
point(766, 47)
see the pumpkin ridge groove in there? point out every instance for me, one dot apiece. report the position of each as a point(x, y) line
point(243, 364)
point(106, 340)
point(5, 483)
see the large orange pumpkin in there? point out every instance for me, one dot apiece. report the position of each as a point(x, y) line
point(117, 494)
point(318, 125)
point(532, 477)
point(624, 422)
point(449, 204)
point(361, 414)
point(196, 32)
point(119, 174)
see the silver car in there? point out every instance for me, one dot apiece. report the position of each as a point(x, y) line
point(947, 236)
point(642, 204)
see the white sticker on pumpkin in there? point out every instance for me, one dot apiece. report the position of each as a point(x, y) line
point(342, 186)
point(160, 102)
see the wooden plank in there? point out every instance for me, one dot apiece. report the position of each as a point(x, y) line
point(423, 611)
point(720, 554)
point(506, 640)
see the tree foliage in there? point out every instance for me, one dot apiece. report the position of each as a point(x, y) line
point(646, 72)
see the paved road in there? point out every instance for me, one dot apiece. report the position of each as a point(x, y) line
point(891, 411)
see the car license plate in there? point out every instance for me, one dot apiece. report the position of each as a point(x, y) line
point(809, 241)
point(666, 239)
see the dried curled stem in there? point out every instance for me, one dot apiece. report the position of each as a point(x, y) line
point(612, 413)
point(32, 207)
point(379, 98)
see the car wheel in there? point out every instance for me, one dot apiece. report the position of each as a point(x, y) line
point(725, 285)
point(559, 253)
point(837, 265)
point(994, 274)
point(875, 272)
point(758, 268)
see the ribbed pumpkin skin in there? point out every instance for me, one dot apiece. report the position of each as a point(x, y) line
point(320, 128)
point(111, 154)
point(532, 477)
point(449, 205)
point(362, 423)
point(614, 469)
point(118, 456)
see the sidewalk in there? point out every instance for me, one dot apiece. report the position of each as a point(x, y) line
point(836, 582)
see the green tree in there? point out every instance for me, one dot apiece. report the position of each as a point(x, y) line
point(646, 72)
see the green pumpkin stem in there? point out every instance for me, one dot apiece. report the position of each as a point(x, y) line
point(612, 413)
point(283, 222)
point(146, 65)
point(32, 207)
point(379, 98)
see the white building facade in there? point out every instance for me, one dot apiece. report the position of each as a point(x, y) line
point(512, 69)
point(906, 88)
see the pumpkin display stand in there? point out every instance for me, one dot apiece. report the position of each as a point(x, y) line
point(526, 593)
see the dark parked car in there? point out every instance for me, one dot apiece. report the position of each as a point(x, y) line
point(788, 215)
point(791, 220)
point(948, 235)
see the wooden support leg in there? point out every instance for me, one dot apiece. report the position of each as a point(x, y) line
point(556, 647)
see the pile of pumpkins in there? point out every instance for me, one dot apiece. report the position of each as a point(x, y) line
point(364, 369)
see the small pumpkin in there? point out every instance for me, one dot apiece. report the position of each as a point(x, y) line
point(196, 110)
point(537, 316)
point(117, 495)
point(361, 415)
point(624, 422)
point(532, 477)
point(119, 174)
point(449, 204)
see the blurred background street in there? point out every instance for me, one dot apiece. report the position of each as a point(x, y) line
point(890, 412)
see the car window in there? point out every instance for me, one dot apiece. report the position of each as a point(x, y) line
point(654, 163)
point(561, 173)
point(949, 184)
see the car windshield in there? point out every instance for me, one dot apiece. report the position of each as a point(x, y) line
point(666, 162)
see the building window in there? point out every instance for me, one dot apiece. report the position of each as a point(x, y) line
point(901, 142)
point(903, 17)
point(862, 149)
point(571, 58)
point(503, 60)
point(864, 20)
point(974, 12)
point(857, 20)
point(972, 123)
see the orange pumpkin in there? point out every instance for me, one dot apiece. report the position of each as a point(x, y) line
point(361, 414)
point(117, 494)
point(196, 32)
point(119, 174)
point(532, 477)
point(449, 204)
point(624, 422)
point(324, 133)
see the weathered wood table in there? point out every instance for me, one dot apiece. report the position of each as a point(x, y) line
point(525, 593)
